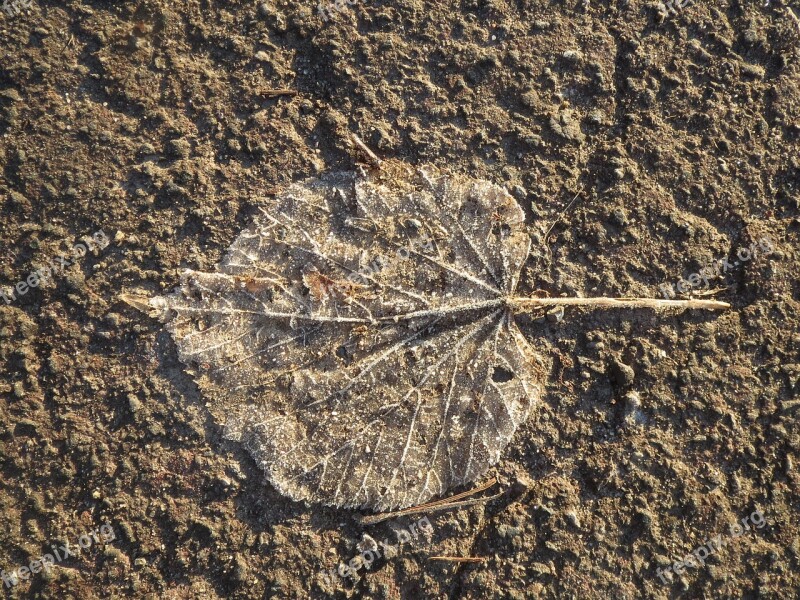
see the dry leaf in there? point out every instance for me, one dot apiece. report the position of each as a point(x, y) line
point(358, 337)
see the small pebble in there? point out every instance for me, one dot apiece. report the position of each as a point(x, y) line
point(632, 404)
point(572, 518)
point(621, 374)
point(178, 148)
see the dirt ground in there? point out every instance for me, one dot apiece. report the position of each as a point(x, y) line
point(158, 124)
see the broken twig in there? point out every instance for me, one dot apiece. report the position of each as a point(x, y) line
point(436, 505)
point(278, 92)
point(460, 559)
point(373, 158)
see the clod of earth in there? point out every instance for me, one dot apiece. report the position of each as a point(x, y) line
point(359, 337)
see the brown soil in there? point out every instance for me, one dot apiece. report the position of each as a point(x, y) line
point(154, 122)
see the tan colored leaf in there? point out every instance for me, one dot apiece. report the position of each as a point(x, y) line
point(357, 340)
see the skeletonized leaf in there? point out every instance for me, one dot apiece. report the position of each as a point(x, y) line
point(357, 339)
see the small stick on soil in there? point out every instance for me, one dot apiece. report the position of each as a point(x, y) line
point(443, 504)
point(373, 158)
point(460, 559)
point(554, 223)
point(561, 214)
point(278, 92)
point(137, 301)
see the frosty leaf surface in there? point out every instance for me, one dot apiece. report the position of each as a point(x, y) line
point(357, 337)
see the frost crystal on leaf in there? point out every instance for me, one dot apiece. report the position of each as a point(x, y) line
point(358, 338)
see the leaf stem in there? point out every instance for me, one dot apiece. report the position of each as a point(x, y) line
point(519, 304)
